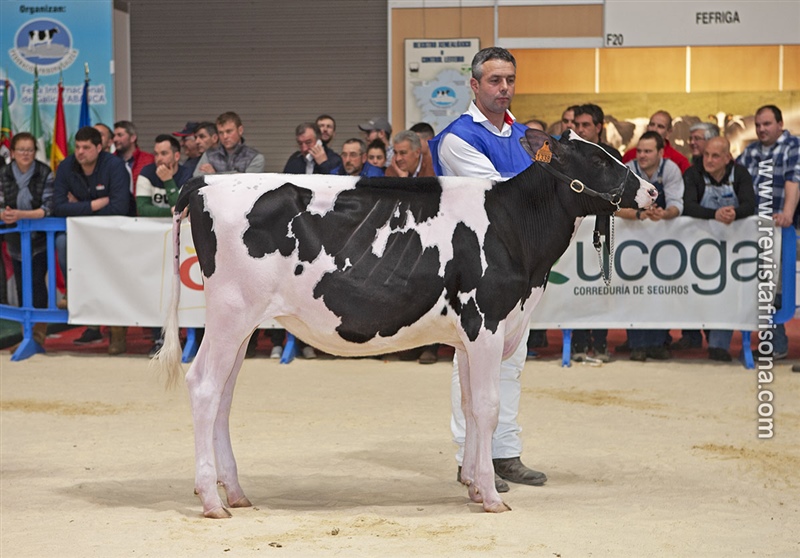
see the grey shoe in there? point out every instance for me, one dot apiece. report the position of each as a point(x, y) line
point(512, 469)
point(499, 484)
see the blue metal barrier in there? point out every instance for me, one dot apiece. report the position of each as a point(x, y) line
point(26, 314)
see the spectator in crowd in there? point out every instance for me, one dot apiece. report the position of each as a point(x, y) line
point(327, 128)
point(775, 158)
point(568, 119)
point(232, 154)
point(665, 175)
point(379, 129)
point(537, 124)
point(157, 192)
point(497, 155)
point(425, 132)
point(722, 190)
point(699, 134)
point(127, 149)
point(91, 182)
point(312, 157)
point(205, 137)
point(107, 134)
point(588, 123)
point(189, 144)
point(376, 154)
point(26, 192)
point(409, 160)
point(661, 122)
point(354, 160)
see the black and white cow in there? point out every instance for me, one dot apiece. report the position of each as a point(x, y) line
point(41, 37)
point(360, 266)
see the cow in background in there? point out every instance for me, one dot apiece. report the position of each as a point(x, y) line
point(360, 266)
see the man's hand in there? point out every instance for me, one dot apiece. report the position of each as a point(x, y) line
point(100, 203)
point(207, 168)
point(318, 152)
point(71, 198)
point(166, 172)
point(10, 216)
point(782, 220)
point(725, 214)
point(397, 169)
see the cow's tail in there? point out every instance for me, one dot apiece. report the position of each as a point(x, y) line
point(168, 358)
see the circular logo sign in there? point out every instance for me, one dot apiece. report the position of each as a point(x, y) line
point(43, 44)
point(443, 97)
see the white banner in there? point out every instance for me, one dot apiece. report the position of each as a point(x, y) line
point(684, 273)
point(653, 23)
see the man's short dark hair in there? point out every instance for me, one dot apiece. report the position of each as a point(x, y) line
point(654, 136)
point(209, 127)
point(775, 111)
point(229, 116)
point(89, 133)
point(423, 129)
point(110, 131)
point(126, 125)
point(301, 129)
point(377, 144)
point(362, 146)
point(174, 143)
point(598, 117)
point(490, 53)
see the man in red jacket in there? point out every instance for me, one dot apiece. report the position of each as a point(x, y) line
point(661, 123)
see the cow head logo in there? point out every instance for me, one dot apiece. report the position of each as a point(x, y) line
point(45, 44)
point(443, 97)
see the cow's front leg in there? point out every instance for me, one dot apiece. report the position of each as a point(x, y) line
point(227, 472)
point(483, 380)
point(205, 391)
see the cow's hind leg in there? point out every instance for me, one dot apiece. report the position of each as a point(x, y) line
point(227, 473)
point(482, 378)
point(207, 379)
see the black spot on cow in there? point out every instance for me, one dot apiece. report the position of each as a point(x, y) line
point(463, 272)
point(401, 283)
point(203, 231)
point(270, 219)
point(298, 270)
point(471, 320)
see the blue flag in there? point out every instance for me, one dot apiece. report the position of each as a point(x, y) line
point(85, 119)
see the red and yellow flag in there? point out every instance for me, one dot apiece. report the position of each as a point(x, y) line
point(58, 149)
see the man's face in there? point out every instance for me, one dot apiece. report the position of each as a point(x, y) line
point(372, 135)
point(123, 141)
point(587, 129)
point(204, 140)
point(189, 144)
point(352, 158)
point(648, 155)
point(768, 129)
point(306, 141)
point(164, 155)
point(406, 157)
point(697, 142)
point(229, 134)
point(715, 158)
point(568, 120)
point(327, 129)
point(659, 124)
point(86, 152)
point(495, 90)
point(108, 141)
point(376, 157)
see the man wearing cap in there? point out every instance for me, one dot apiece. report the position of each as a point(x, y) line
point(189, 145)
point(484, 142)
point(380, 129)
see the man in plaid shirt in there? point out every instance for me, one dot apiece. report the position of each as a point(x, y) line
point(775, 158)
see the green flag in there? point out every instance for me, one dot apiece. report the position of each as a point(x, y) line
point(5, 125)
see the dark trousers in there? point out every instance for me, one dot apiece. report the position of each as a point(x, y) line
point(39, 273)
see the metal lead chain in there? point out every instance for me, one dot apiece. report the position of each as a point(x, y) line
point(610, 241)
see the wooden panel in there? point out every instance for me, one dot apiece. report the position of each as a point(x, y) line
point(634, 70)
point(551, 21)
point(735, 68)
point(432, 23)
point(555, 71)
point(791, 67)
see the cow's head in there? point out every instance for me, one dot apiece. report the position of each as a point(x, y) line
point(602, 183)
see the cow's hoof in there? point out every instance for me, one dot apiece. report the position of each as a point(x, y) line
point(217, 513)
point(242, 502)
point(499, 507)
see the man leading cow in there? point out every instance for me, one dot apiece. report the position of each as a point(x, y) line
point(485, 142)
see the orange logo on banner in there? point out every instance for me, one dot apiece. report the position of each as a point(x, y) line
point(186, 277)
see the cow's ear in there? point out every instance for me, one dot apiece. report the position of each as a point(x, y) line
point(540, 146)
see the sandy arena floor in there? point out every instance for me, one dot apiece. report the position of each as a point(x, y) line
point(353, 458)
